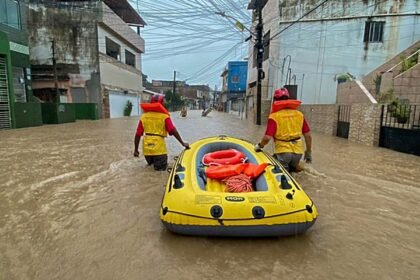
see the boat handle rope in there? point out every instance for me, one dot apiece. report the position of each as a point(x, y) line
point(273, 161)
point(166, 210)
point(173, 170)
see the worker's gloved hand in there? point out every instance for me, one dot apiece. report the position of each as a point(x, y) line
point(308, 157)
point(258, 147)
point(136, 154)
point(186, 146)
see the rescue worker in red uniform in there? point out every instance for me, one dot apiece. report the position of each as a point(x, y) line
point(155, 125)
point(286, 126)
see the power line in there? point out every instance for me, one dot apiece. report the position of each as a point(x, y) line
point(296, 21)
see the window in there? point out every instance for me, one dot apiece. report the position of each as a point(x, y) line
point(374, 32)
point(19, 85)
point(130, 59)
point(266, 46)
point(112, 49)
point(235, 79)
point(10, 13)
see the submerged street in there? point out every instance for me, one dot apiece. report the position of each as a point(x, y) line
point(75, 204)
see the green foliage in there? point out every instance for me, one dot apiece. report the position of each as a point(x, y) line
point(387, 97)
point(408, 63)
point(402, 113)
point(173, 101)
point(392, 107)
point(399, 110)
point(396, 108)
point(345, 77)
point(127, 109)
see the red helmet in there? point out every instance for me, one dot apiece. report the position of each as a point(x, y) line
point(280, 92)
point(157, 98)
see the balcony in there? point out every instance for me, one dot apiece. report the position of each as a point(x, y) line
point(111, 21)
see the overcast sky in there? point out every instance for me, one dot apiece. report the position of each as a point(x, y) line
point(187, 36)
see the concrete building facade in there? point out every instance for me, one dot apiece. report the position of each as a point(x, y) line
point(120, 50)
point(194, 96)
point(398, 78)
point(97, 53)
point(337, 38)
point(17, 105)
point(234, 83)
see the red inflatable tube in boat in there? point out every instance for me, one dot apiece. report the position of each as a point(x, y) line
point(224, 157)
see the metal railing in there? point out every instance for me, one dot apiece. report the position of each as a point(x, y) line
point(401, 116)
point(344, 113)
point(401, 62)
point(5, 120)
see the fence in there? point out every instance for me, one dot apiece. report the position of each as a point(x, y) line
point(343, 121)
point(400, 128)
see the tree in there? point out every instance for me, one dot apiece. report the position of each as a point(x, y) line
point(173, 101)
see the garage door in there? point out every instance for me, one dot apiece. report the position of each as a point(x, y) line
point(117, 102)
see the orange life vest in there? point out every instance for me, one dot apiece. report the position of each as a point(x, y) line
point(285, 104)
point(153, 119)
point(289, 124)
point(254, 170)
point(154, 107)
point(224, 171)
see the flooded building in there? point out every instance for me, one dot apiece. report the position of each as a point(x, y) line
point(17, 105)
point(164, 86)
point(197, 96)
point(234, 79)
point(337, 39)
point(194, 96)
point(95, 52)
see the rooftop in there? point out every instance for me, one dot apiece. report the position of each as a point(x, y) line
point(126, 12)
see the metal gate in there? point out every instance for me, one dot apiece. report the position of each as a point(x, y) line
point(5, 121)
point(400, 128)
point(343, 122)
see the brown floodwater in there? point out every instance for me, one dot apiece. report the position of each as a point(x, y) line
point(75, 204)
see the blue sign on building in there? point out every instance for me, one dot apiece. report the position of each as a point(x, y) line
point(236, 78)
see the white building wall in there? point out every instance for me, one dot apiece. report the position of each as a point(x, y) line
point(118, 102)
point(115, 23)
point(115, 75)
point(321, 50)
point(103, 33)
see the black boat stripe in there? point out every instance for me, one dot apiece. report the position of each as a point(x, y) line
point(244, 219)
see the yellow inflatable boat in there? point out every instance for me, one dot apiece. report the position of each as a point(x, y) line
point(195, 205)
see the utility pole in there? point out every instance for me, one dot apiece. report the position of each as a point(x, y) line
point(174, 92)
point(214, 96)
point(55, 72)
point(258, 6)
point(260, 52)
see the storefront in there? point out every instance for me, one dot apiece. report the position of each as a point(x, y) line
point(17, 105)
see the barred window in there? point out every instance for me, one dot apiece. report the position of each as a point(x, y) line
point(374, 32)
